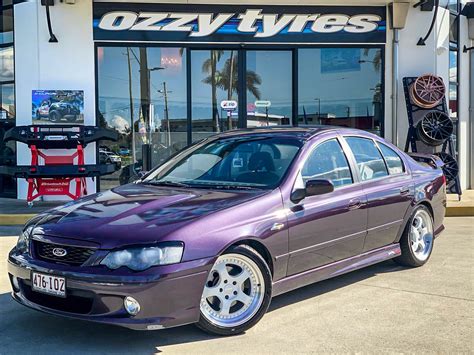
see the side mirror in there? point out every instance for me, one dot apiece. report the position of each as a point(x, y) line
point(318, 187)
point(312, 188)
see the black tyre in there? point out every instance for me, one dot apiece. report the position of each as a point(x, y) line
point(417, 240)
point(237, 292)
point(54, 116)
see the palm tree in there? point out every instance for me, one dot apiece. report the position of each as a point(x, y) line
point(377, 60)
point(227, 79)
point(210, 66)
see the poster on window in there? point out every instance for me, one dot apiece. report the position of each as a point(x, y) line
point(336, 60)
point(58, 107)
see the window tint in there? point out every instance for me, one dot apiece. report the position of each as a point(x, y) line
point(369, 160)
point(393, 160)
point(328, 161)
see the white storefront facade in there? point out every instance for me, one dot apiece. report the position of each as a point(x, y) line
point(159, 69)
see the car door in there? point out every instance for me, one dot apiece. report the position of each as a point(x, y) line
point(330, 227)
point(388, 186)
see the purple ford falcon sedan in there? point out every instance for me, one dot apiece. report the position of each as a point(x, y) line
point(212, 234)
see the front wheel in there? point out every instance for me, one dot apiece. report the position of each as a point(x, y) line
point(54, 116)
point(417, 240)
point(237, 292)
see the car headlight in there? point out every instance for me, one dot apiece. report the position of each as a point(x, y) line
point(23, 243)
point(139, 259)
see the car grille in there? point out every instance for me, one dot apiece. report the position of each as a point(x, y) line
point(74, 255)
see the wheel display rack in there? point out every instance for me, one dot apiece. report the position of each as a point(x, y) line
point(434, 117)
point(54, 174)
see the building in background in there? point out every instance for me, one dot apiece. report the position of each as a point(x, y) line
point(169, 74)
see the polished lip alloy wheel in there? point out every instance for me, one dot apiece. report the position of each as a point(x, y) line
point(421, 235)
point(234, 291)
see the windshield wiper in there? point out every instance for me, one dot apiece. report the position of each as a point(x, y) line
point(166, 183)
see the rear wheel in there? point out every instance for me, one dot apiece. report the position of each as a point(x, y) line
point(417, 239)
point(237, 292)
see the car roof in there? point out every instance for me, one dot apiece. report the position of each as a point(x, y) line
point(302, 133)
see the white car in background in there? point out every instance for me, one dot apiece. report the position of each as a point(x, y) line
point(108, 157)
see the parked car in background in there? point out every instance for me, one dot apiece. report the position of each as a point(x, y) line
point(212, 234)
point(123, 151)
point(108, 157)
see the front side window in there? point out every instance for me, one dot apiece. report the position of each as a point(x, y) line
point(393, 160)
point(328, 162)
point(369, 160)
point(249, 162)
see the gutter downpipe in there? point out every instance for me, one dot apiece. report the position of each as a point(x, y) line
point(395, 82)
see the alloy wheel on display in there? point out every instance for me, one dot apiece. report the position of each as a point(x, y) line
point(427, 91)
point(435, 128)
point(450, 167)
point(233, 292)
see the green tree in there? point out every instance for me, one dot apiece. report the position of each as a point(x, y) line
point(227, 79)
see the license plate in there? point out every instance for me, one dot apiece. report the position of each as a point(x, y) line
point(49, 284)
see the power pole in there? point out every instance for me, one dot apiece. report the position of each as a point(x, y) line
point(134, 159)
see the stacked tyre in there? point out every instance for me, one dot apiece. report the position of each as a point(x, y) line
point(435, 127)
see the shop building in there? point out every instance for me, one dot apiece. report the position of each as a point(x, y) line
point(165, 75)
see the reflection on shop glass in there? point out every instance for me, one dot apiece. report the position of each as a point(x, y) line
point(57, 107)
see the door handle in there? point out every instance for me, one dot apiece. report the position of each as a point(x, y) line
point(354, 204)
point(405, 190)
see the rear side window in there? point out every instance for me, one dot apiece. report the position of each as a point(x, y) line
point(370, 163)
point(393, 160)
point(329, 162)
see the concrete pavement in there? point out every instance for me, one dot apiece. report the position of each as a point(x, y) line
point(383, 308)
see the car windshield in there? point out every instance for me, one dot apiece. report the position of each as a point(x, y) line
point(233, 163)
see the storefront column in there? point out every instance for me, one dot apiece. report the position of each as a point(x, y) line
point(66, 65)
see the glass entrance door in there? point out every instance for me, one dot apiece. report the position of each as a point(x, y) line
point(214, 91)
point(269, 87)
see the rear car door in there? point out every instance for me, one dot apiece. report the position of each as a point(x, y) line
point(388, 186)
point(330, 227)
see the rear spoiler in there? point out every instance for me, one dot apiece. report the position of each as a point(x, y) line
point(432, 160)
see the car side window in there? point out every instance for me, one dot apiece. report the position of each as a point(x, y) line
point(370, 162)
point(393, 160)
point(329, 162)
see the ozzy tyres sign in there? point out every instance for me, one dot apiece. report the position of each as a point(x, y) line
point(238, 24)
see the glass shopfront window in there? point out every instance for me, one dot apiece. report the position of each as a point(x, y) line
point(214, 79)
point(7, 97)
point(341, 86)
point(169, 97)
point(269, 88)
point(142, 95)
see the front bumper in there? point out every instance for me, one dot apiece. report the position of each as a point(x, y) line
point(169, 298)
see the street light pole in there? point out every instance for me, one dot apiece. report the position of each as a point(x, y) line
point(168, 126)
point(319, 108)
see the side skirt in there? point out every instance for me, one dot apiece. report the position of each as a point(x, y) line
point(335, 269)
